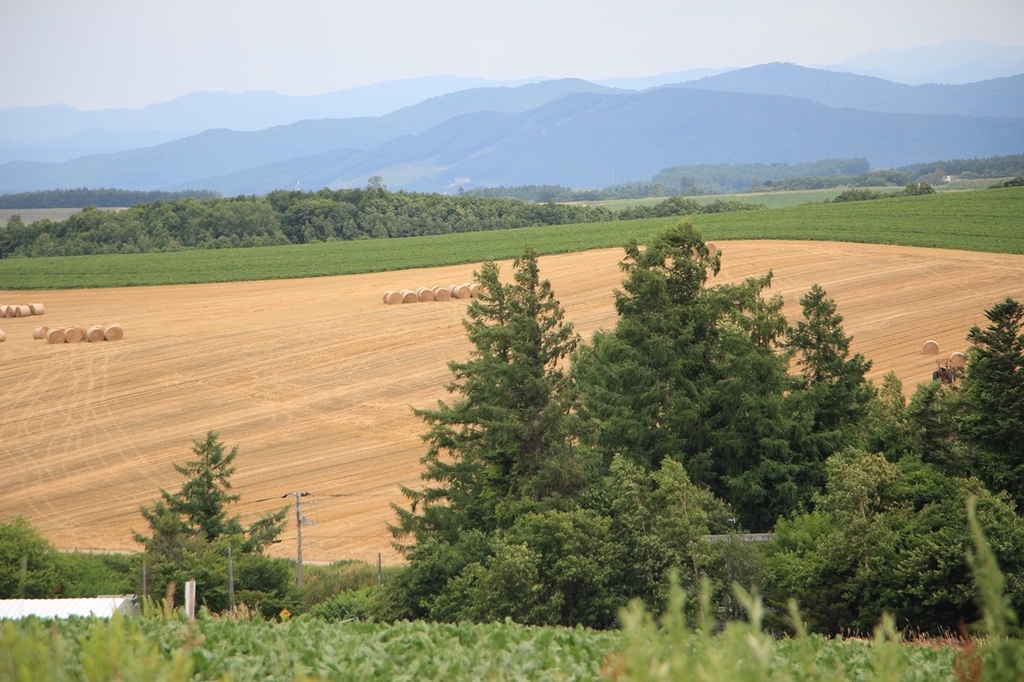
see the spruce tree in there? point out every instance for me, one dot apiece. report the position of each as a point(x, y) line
point(190, 531)
point(200, 509)
point(831, 382)
point(693, 372)
point(504, 444)
point(993, 390)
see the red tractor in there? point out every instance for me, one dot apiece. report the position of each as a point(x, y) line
point(945, 372)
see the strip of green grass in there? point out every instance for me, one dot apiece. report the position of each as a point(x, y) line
point(313, 260)
point(988, 220)
point(770, 199)
point(985, 220)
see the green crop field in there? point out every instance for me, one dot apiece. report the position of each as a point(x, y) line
point(984, 220)
point(988, 220)
point(172, 648)
point(780, 199)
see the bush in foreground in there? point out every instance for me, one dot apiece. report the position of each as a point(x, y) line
point(673, 647)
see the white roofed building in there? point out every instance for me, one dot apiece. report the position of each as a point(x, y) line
point(102, 607)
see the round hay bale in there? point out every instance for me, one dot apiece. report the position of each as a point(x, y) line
point(36, 308)
point(6, 311)
point(113, 333)
point(461, 291)
point(93, 334)
point(75, 334)
point(474, 290)
point(55, 336)
point(3, 335)
point(442, 294)
point(22, 311)
point(957, 359)
point(930, 348)
point(409, 296)
point(424, 294)
point(40, 332)
point(3, 310)
point(392, 297)
point(712, 249)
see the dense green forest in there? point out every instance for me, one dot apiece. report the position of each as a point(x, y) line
point(295, 217)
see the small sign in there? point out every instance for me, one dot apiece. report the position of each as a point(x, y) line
point(285, 614)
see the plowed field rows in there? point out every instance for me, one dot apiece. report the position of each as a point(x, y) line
point(314, 379)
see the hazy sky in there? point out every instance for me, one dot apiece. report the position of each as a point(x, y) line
point(128, 53)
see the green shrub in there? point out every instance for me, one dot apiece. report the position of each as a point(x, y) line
point(346, 605)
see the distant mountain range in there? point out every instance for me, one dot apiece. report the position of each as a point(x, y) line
point(568, 132)
point(955, 62)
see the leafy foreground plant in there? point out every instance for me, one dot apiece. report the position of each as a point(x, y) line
point(684, 644)
point(672, 649)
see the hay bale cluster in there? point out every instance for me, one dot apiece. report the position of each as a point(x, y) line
point(23, 310)
point(427, 294)
point(75, 334)
point(26, 310)
point(78, 333)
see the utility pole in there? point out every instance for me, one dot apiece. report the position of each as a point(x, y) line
point(300, 520)
point(231, 582)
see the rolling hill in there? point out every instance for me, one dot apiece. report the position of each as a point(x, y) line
point(575, 133)
point(1003, 97)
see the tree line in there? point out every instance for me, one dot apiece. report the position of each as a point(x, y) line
point(1008, 166)
point(102, 197)
point(281, 217)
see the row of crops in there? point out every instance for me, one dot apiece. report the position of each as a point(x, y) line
point(307, 648)
point(683, 645)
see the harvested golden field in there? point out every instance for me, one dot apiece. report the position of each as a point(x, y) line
point(314, 379)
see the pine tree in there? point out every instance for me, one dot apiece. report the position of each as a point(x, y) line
point(642, 383)
point(504, 445)
point(993, 390)
point(692, 372)
point(832, 379)
point(191, 530)
point(199, 510)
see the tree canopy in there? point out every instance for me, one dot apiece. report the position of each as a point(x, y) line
point(191, 530)
point(568, 477)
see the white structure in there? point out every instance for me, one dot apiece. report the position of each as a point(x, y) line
point(102, 607)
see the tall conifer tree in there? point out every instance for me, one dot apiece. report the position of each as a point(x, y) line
point(503, 446)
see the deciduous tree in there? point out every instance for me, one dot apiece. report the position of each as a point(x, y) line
point(28, 562)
